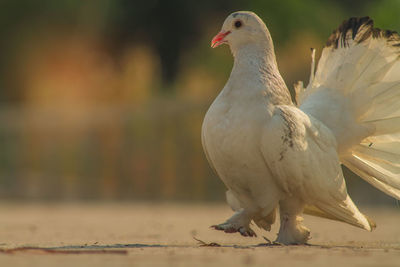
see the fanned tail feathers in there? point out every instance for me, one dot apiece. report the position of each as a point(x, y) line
point(356, 93)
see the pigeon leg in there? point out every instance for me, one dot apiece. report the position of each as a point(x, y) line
point(239, 222)
point(291, 231)
point(265, 222)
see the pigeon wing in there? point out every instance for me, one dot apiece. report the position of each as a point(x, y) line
point(301, 153)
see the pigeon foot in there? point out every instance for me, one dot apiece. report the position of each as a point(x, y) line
point(238, 223)
point(292, 232)
point(231, 228)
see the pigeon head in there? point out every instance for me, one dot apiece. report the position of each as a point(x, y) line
point(241, 29)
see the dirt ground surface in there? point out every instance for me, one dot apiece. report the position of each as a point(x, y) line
point(164, 235)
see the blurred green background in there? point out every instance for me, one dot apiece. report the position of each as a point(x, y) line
point(104, 100)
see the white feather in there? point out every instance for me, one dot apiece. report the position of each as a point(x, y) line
point(356, 93)
point(269, 152)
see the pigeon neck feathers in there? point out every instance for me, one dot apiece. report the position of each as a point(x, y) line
point(255, 68)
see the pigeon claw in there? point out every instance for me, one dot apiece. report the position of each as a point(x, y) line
point(247, 232)
point(230, 228)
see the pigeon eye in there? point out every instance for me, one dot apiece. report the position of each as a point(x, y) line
point(238, 24)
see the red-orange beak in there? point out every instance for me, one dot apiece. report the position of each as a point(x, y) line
point(219, 39)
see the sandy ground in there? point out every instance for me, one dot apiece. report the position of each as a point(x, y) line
point(162, 235)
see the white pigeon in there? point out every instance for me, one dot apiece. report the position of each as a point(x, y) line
point(271, 153)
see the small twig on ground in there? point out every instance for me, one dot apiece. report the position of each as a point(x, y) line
point(269, 243)
point(204, 244)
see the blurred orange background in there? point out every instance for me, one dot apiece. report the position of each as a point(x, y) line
point(104, 100)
